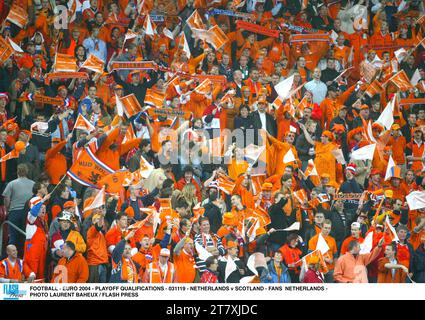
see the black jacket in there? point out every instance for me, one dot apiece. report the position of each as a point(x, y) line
point(419, 265)
point(140, 90)
point(278, 221)
point(341, 230)
point(270, 122)
point(234, 277)
point(213, 213)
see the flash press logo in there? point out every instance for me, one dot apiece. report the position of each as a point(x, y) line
point(12, 292)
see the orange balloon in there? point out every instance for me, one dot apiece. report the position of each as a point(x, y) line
point(19, 146)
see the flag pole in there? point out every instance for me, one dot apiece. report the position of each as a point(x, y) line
point(64, 176)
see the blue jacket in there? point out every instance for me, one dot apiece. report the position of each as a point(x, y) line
point(284, 277)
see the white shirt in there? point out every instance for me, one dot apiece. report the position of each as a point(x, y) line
point(319, 90)
point(263, 120)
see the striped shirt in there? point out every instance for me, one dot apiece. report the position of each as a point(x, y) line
point(209, 240)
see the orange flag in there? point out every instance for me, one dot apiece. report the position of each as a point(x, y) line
point(114, 182)
point(198, 212)
point(154, 98)
point(205, 87)
point(374, 88)
point(131, 105)
point(5, 50)
point(65, 63)
point(88, 169)
point(18, 16)
point(401, 81)
point(93, 63)
point(83, 124)
point(262, 215)
point(129, 134)
point(195, 21)
point(11, 155)
point(226, 184)
point(301, 196)
point(216, 37)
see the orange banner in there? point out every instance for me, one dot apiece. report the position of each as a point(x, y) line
point(131, 105)
point(133, 65)
point(257, 29)
point(18, 16)
point(65, 75)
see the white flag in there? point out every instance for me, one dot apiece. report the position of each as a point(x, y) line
point(168, 33)
point(367, 245)
point(289, 157)
point(364, 153)
point(203, 254)
point(293, 227)
point(334, 36)
point(98, 201)
point(253, 152)
point(386, 118)
point(145, 168)
point(230, 268)
point(416, 200)
point(390, 166)
point(247, 279)
point(15, 46)
point(415, 78)
point(251, 264)
point(148, 26)
point(120, 106)
point(400, 54)
point(390, 226)
point(283, 88)
point(185, 45)
point(370, 131)
point(322, 245)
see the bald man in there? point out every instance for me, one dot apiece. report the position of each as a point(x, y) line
point(13, 269)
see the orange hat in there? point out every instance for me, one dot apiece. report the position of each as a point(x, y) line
point(364, 107)
point(377, 126)
point(388, 193)
point(325, 176)
point(328, 134)
point(19, 146)
point(313, 259)
point(118, 86)
point(231, 244)
point(338, 128)
point(354, 132)
point(261, 99)
point(11, 126)
point(267, 186)
point(100, 124)
point(61, 88)
point(395, 127)
point(374, 172)
point(129, 211)
point(229, 219)
point(28, 133)
point(68, 204)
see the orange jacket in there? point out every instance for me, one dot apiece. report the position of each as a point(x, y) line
point(385, 275)
point(56, 165)
point(112, 157)
point(76, 267)
point(16, 272)
point(154, 274)
point(97, 251)
point(312, 244)
point(185, 271)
